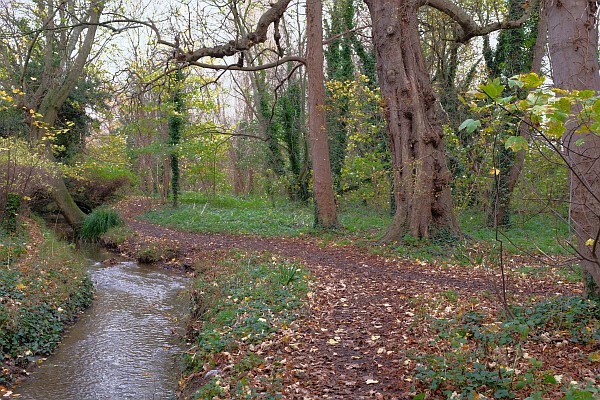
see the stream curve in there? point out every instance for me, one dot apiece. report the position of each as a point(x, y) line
point(124, 346)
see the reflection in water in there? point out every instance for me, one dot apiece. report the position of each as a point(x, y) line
point(124, 346)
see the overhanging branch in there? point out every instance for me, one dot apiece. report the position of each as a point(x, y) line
point(469, 27)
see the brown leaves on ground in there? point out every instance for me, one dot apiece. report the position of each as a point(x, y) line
point(366, 316)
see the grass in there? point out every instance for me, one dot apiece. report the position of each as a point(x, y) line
point(238, 306)
point(536, 233)
point(41, 290)
point(98, 222)
point(255, 216)
point(258, 216)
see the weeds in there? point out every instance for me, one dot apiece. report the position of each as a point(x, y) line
point(37, 298)
point(237, 307)
point(480, 356)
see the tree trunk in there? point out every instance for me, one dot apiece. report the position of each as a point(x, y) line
point(53, 99)
point(421, 177)
point(573, 44)
point(325, 213)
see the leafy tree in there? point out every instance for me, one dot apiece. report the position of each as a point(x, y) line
point(421, 175)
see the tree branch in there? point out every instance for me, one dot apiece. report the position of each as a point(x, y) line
point(469, 27)
point(237, 67)
point(271, 16)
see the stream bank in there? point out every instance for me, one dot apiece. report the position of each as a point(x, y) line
point(124, 346)
point(44, 286)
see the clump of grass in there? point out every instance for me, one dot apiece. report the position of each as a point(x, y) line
point(155, 251)
point(98, 222)
point(237, 307)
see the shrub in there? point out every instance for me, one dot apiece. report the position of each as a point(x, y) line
point(99, 222)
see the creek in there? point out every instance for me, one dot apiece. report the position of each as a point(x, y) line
point(125, 346)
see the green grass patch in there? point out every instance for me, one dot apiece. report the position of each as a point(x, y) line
point(39, 293)
point(257, 216)
point(12, 246)
point(239, 304)
point(526, 234)
point(98, 222)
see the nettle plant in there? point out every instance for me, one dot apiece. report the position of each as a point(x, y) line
point(568, 122)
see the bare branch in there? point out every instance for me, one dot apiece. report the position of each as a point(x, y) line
point(339, 35)
point(270, 16)
point(236, 67)
point(470, 28)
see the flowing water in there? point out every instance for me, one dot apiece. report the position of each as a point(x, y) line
point(124, 346)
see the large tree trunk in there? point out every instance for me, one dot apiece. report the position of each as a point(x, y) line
point(52, 98)
point(325, 213)
point(573, 44)
point(421, 176)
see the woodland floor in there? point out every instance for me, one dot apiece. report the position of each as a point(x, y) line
point(365, 316)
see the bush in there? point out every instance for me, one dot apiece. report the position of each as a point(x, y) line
point(99, 222)
point(94, 187)
point(23, 172)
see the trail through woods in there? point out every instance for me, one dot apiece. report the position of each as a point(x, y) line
point(367, 315)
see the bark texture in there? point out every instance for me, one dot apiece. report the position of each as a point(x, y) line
point(421, 176)
point(573, 44)
point(325, 214)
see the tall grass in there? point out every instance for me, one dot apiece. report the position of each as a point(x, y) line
point(99, 222)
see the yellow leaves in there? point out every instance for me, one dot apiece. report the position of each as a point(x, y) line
point(494, 171)
point(335, 340)
point(20, 286)
point(590, 242)
point(594, 357)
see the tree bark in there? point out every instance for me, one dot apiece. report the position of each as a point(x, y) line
point(325, 213)
point(421, 176)
point(573, 44)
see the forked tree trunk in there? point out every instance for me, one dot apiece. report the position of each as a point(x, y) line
point(421, 176)
point(573, 44)
point(325, 213)
point(53, 99)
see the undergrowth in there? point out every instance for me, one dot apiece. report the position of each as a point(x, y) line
point(475, 355)
point(238, 306)
point(40, 291)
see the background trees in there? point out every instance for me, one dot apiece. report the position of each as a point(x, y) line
point(254, 119)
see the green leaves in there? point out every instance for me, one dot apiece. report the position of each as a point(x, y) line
point(470, 125)
point(493, 89)
point(516, 143)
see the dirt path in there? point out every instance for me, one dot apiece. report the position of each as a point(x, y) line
point(363, 320)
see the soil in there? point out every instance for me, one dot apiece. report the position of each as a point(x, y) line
point(364, 323)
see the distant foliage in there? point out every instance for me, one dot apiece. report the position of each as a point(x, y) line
point(99, 222)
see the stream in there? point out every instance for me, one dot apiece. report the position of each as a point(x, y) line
point(124, 346)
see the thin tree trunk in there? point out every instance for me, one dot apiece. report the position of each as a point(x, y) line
point(421, 177)
point(573, 44)
point(325, 213)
